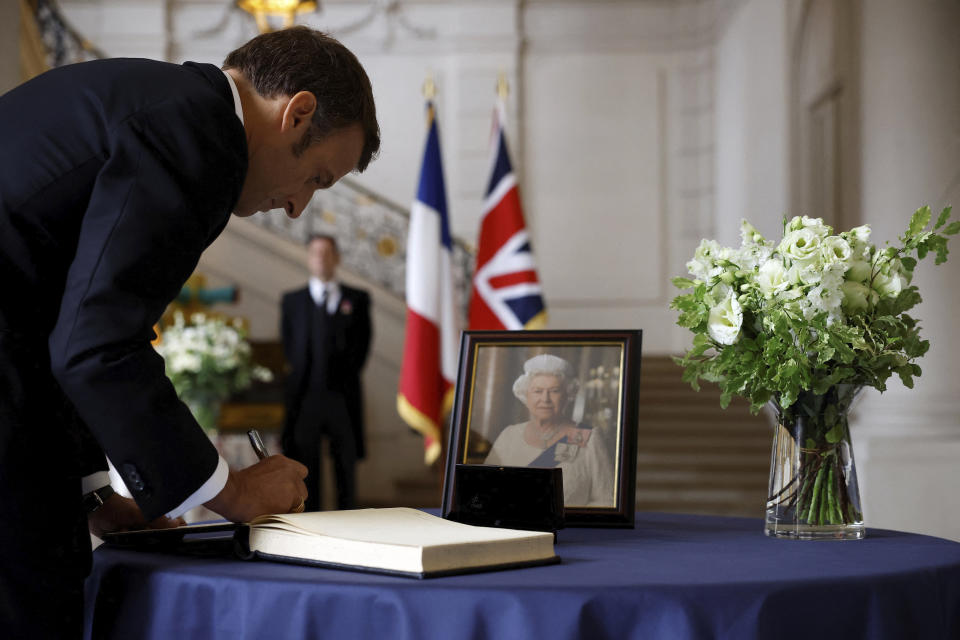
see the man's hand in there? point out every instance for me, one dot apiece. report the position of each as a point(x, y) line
point(122, 514)
point(273, 485)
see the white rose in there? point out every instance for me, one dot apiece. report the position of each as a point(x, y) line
point(888, 285)
point(802, 245)
point(814, 225)
point(859, 270)
point(725, 321)
point(861, 233)
point(856, 296)
point(835, 249)
point(718, 293)
point(772, 278)
point(859, 239)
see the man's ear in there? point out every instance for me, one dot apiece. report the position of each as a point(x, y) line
point(298, 112)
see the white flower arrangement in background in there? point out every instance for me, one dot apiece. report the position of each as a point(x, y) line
point(207, 359)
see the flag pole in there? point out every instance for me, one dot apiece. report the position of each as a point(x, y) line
point(429, 91)
point(503, 88)
point(429, 87)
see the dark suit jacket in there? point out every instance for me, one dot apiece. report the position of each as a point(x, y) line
point(114, 176)
point(347, 345)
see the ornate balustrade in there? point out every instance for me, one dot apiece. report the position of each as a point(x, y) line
point(371, 232)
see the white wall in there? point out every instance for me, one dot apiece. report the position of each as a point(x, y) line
point(911, 156)
point(613, 110)
point(751, 133)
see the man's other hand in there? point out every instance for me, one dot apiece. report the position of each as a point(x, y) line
point(122, 514)
point(273, 485)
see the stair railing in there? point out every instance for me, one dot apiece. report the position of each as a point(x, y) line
point(371, 232)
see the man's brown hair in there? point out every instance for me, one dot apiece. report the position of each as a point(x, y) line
point(282, 63)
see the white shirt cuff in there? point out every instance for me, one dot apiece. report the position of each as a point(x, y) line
point(95, 481)
point(207, 491)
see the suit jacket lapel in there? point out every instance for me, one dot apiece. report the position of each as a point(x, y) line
point(337, 316)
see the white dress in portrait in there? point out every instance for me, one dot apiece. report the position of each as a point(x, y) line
point(587, 469)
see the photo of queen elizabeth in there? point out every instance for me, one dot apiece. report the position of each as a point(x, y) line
point(550, 437)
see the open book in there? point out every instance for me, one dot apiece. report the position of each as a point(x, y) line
point(399, 541)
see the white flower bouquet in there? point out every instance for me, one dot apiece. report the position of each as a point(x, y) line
point(207, 359)
point(773, 319)
point(803, 324)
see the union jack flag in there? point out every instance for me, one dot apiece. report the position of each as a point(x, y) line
point(506, 290)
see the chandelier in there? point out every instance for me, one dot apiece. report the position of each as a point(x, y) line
point(285, 10)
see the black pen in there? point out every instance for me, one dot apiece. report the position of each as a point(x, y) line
point(257, 443)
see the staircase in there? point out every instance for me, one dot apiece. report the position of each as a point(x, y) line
point(693, 456)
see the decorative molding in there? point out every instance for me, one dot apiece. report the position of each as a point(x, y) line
point(663, 142)
point(606, 303)
point(621, 26)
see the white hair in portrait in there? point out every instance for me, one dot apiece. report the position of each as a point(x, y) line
point(546, 364)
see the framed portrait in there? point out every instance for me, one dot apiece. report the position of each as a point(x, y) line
point(563, 399)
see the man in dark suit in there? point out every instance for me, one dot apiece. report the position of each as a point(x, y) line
point(114, 176)
point(326, 337)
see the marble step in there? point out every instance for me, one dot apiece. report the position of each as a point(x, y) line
point(735, 508)
point(652, 478)
point(696, 429)
point(724, 495)
point(703, 460)
point(670, 443)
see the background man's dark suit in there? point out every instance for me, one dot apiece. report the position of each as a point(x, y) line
point(323, 394)
point(114, 176)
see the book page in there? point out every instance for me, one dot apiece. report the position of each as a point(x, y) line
point(397, 526)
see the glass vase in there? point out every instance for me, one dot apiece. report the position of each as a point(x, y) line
point(813, 477)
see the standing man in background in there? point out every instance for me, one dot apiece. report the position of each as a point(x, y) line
point(326, 337)
point(115, 175)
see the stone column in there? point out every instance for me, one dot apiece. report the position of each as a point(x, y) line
point(908, 441)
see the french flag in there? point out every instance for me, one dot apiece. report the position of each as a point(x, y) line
point(506, 290)
point(430, 350)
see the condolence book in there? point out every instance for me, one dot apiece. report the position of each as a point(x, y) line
point(398, 541)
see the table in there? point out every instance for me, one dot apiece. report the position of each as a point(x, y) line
point(674, 576)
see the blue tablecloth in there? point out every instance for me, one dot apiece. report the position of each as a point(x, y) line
point(674, 576)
